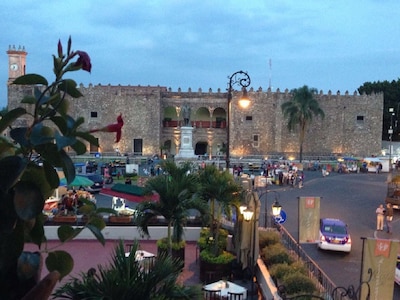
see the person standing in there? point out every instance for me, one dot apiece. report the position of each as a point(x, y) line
point(380, 214)
point(389, 217)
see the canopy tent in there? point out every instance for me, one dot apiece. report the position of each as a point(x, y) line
point(372, 159)
point(78, 181)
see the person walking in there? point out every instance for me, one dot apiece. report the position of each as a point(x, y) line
point(389, 217)
point(380, 214)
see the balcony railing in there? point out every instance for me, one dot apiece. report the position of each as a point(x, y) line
point(197, 124)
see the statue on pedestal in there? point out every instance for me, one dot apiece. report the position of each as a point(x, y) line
point(186, 110)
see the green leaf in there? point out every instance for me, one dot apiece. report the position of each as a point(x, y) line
point(28, 200)
point(37, 235)
point(60, 261)
point(97, 221)
point(61, 123)
point(19, 135)
point(65, 233)
point(86, 209)
point(69, 86)
point(88, 137)
point(10, 117)
point(31, 79)
point(63, 141)
point(51, 175)
point(79, 147)
point(97, 233)
point(29, 100)
point(11, 170)
point(41, 134)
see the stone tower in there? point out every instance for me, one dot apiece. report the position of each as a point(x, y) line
point(16, 62)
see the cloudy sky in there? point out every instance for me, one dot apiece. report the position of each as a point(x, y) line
point(329, 45)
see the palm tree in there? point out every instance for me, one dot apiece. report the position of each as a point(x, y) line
point(177, 195)
point(124, 279)
point(221, 191)
point(300, 110)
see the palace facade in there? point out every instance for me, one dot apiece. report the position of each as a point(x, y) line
point(153, 120)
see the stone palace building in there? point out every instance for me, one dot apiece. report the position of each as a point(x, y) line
point(153, 120)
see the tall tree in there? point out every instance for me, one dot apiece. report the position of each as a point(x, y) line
point(221, 192)
point(299, 112)
point(177, 195)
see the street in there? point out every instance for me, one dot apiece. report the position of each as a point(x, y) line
point(352, 198)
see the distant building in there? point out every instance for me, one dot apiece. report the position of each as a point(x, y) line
point(152, 116)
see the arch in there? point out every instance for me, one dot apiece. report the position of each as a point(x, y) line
point(201, 148)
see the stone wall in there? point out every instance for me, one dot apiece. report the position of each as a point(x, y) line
point(352, 124)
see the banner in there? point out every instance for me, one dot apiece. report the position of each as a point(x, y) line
point(309, 215)
point(380, 257)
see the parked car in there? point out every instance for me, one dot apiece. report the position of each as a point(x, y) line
point(397, 272)
point(333, 235)
point(98, 183)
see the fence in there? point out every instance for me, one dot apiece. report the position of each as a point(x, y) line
point(326, 285)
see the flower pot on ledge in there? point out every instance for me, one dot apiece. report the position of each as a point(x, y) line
point(120, 219)
point(65, 218)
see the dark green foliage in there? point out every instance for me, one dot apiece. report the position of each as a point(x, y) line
point(297, 283)
point(275, 254)
point(30, 151)
point(268, 237)
point(124, 279)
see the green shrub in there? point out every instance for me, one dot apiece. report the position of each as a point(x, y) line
point(278, 271)
point(297, 283)
point(205, 240)
point(275, 254)
point(224, 258)
point(268, 237)
point(163, 244)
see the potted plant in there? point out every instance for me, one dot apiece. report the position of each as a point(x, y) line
point(177, 189)
point(220, 191)
point(32, 145)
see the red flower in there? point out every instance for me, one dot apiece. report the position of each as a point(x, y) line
point(116, 127)
point(84, 61)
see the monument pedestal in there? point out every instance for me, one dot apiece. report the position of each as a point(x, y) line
point(186, 149)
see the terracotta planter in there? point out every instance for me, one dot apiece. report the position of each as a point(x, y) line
point(120, 219)
point(64, 219)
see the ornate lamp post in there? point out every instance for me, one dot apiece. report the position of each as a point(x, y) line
point(251, 213)
point(243, 79)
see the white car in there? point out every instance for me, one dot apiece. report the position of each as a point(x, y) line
point(397, 272)
point(333, 235)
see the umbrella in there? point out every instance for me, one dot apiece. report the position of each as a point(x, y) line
point(249, 242)
point(78, 181)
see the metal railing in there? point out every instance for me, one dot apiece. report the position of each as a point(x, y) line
point(325, 284)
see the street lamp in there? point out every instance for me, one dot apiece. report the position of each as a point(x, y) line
point(251, 213)
point(243, 79)
point(390, 132)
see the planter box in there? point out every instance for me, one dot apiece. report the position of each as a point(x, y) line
point(213, 272)
point(176, 253)
point(65, 219)
point(120, 219)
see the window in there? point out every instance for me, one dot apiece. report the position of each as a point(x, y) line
point(93, 114)
point(360, 121)
point(255, 140)
point(249, 118)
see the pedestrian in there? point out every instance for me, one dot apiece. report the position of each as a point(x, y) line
point(389, 217)
point(380, 214)
point(301, 179)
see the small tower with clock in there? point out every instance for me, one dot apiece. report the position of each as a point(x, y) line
point(16, 62)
